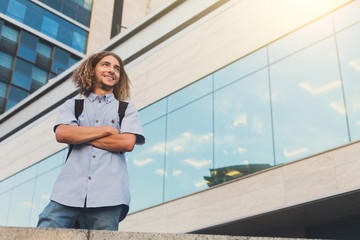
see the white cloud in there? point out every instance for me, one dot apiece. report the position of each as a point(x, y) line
point(27, 204)
point(161, 172)
point(197, 164)
point(339, 107)
point(177, 148)
point(200, 184)
point(158, 148)
point(45, 197)
point(317, 91)
point(176, 172)
point(242, 150)
point(239, 120)
point(295, 152)
point(186, 134)
point(205, 137)
point(144, 162)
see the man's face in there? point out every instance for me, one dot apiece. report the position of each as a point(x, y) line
point(107, 73)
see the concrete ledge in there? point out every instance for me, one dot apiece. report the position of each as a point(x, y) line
point(12, 233)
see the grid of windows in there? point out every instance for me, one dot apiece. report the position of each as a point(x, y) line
point(288, 100)
point(79, 10)
point(46, 22)
point(26, 63)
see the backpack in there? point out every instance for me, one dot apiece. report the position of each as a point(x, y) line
point(79, 106)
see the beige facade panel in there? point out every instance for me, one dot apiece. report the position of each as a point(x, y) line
point(294, 183)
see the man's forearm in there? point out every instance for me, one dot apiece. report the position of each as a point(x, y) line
point(116, 143)
point(79, 134)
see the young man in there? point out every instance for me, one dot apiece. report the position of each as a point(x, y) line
point(92, 191)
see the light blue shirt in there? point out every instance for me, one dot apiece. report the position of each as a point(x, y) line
point(91, 173)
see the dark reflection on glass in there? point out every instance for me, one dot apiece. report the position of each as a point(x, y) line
point(189, 152)
point(308, 108)
point(146, 167)
point(225, 174)
point(243, 132)
point(349, 52)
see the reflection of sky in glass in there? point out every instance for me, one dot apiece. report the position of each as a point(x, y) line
point(146, 167)
point(349, 51)
point(308, 107)
point(189, 148)
point(242, 122)
point(300, 39)
point(153, 111)
point(240, 68)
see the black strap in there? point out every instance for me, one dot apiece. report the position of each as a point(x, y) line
point(79, 106)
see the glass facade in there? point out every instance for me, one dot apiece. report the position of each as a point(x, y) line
point(288, 100)
point(26, 64)
point(46, 22)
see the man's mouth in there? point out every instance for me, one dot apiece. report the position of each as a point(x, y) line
point(109, 77)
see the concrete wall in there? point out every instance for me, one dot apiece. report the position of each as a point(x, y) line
point(317, 177)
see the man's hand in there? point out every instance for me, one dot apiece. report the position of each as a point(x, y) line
point(124, 142)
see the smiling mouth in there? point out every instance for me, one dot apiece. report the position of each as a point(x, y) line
point(111, 78)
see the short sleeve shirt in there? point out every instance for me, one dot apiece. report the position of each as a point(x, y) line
point(91, 173)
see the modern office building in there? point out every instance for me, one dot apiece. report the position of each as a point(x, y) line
point(251, 112)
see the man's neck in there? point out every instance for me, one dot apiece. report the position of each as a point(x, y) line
point(101, 92)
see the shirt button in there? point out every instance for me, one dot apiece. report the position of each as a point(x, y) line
point(112, 121)
point(93, 156)
point(97, 121)
point(89, 178)
point(99, 101)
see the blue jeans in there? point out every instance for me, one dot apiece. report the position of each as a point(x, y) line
point(56, 215)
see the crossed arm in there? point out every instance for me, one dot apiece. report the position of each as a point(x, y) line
point(104, 137)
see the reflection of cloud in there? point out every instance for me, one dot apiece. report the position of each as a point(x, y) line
point(239, 120)
point(159, 148)
point(242, 150)
point(176, 172)
point(338, 107)
point(186, 134)
point(205, 137)
point(319, 90)
point(45, 197)
point(246, 162)
point(197, 164)
point(200, 184)
point(225, 152)
point(257, 125)
point(355, 64)
point(27, 204)
point(161, 172)
point(144, 162)
point(295, 152)
point(177, 148)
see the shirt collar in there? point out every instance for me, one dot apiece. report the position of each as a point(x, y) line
point(108, 98)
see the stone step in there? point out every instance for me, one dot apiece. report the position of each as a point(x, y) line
point(12, 233)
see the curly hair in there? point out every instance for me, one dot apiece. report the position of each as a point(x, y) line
point(84, 76)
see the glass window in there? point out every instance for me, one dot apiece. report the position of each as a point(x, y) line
point(301, 38)
point(153, 111)
point(6, 60)
point(10, 33)
point(44, 185)
point(3, 88)
point(49, 26)
point(189, 148)
point(16, 95)
point(21, 80)
point(72, 61)
point(146, 165)
point(23, 67)
point(28, 40)
point(33, 16)
point(190, 93)
point(61, 56)
point(53, 161)
point(243, 135)
point(44, 50)
point(79, 41)
point(240, 68)
point(5, 200)
point(16, 10)
point(26, 53)
point(39, 75)
point(349, 52)
point(347, 15)
point(307, 101)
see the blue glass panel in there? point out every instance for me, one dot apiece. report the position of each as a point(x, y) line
point(3, 88)
point(33, 16)
point(347, 15)
point(240, 68)
point(189, 148)
point(190, 93)
point(28, 40)
point(16, 94)
point(6, 60)
point(10, 104)
point(39, 75)
point(66, 33)
point(44, 50)
point(307, 102)
point(72, 61)
point(23, 67)
point(79, 41)
point(44, 184)
point(58, 67)
point(27, 53)
point(301, 38)
point(21, 80)
point(5, 200)
point(146, 167)
point(10, 33)
point(349, 51)
point(53, 161)
point(243, 135)
point(25, 175)
point(21, 205)
point(153, 111)
point(49, 26)
point(16, 10)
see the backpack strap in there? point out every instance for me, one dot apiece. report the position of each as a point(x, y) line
point(121, 110)
point(79, 106)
